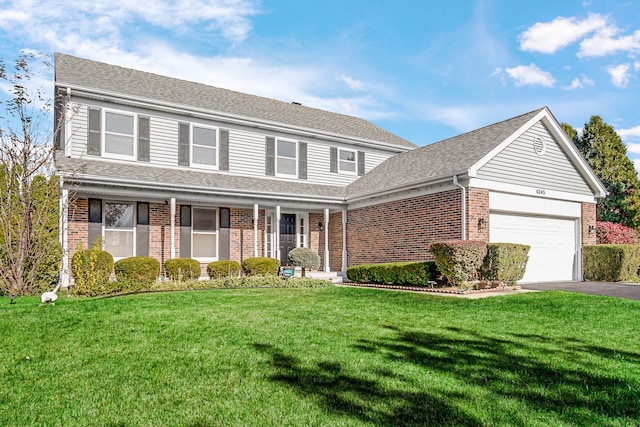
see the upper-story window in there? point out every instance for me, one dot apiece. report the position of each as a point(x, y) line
point(286, 158)
point(119, 131)
point(204, 146)
point(347, 161)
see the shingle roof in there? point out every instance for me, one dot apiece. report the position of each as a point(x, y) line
point(78, 72)
point(138, 174)
point(445, 158)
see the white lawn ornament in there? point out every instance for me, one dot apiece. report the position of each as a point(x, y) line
point(48, 297)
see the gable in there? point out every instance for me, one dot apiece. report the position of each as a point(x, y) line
point(519, 163)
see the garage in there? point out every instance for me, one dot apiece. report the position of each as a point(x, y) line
point(550, 227)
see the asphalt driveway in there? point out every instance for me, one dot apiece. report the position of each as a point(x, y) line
point(621, 290)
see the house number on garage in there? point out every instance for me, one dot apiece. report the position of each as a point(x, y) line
point(540, 191)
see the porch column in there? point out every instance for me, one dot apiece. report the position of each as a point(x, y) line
point(344, 241)
point(277, 230)
point(255, 230)
point(172, 241)
point(326, 241)
point(64, 238)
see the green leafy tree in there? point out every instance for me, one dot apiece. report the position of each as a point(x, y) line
point(605, 152)
point(29, 208)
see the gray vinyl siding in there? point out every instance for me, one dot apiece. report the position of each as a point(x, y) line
point(519, 164)
point(164, 141)
point(78, 130)
point(246, 153)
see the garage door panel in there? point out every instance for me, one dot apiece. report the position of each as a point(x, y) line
point(552, 241)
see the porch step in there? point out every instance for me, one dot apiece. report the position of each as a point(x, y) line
point(332, 276)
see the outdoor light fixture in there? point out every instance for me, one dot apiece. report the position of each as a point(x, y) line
point(592, 229)
point(12, 299)
point(321, 226)
point(481, 223)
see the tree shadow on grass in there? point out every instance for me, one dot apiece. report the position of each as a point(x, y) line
point(527, 378)
point(349, 395)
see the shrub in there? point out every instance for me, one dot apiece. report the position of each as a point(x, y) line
point(260, 265)
point(268, 281)
point(394, 273)
point(611, 263)
point(141, 270)
point(218, 269)
point(91, 269)
point(182, 268)
point(459, 260)
point(610, 233)
point(505, 262)
point(304, 258)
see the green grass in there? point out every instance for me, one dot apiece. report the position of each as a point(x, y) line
point(320, 357)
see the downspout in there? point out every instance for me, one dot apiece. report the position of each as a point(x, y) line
point(172, 239)
point(464, 206)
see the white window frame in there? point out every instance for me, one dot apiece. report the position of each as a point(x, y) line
point(355, 162)
point(302, 230)
point(215, 214)
point(134, 135)
point(269, 235)
point(217, 147)
point(133, 228)
point(287, 175)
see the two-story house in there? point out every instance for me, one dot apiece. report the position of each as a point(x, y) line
point(156, 166)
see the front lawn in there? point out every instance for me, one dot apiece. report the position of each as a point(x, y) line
point(323, 357)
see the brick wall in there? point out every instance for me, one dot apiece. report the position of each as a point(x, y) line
point(588, 219)
point(77, 225)
point(402, 230)
point(477, 214)
point(335, 241)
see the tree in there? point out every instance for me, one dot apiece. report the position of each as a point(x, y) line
point(29, 249)
point(605, 152)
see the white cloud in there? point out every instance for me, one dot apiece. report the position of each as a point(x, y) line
point(619, 75)
point(636, 163)
point(579, 83)
point(604, 43)
point(530, 75)
point(549, 37)
point(350, 82)
point(629, 133)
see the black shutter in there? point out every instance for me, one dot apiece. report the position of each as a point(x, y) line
point(225, 235)
point(183, 144)
point(361, 165)
point(94, 132)
point(59, 121)
point(224, 150)
point(333, 160)
point(185, 231)
point(95, 223)
point(302, 161)
point(270, 156)
point(144, 142)
point(142, 230)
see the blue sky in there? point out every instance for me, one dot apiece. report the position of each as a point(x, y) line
point(422, 69)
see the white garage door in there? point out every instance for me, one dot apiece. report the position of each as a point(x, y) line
point(552, 240)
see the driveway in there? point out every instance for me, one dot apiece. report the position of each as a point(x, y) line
point(621, 290)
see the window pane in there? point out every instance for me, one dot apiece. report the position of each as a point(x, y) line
point(206, 137)
point(119, 243)
point(287, 149)
point(204, 245)
point(348, 155)
point(204, 156)
point(118, 215)
point(204, 219)
point(118, 144)
point(287, 166)
point(347, 166)
point(118, 123)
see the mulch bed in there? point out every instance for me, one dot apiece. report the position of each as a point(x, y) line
point(446, 290)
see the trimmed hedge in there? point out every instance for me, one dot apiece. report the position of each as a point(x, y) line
point(393, 273)
point(611, 263)
point(219, 269)
point(505, 262)
point(182, 268)
point(459, 260)
point(268, 281)
point(141, 270)
point(91, 269)
point(260, 265)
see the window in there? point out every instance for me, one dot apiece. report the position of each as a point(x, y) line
point(347, 161)
point(286, 158)
point(204, 146)
point(204, 234)
point(268, 236)
point(119, 134)
point(119, 229)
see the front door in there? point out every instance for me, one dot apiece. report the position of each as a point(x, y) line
point(287, 236)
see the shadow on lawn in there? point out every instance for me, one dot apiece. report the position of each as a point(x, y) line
point(564, 379)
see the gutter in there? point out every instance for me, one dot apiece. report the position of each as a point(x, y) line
point(463, 210)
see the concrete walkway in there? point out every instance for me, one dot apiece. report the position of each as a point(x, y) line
point(621, 290)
